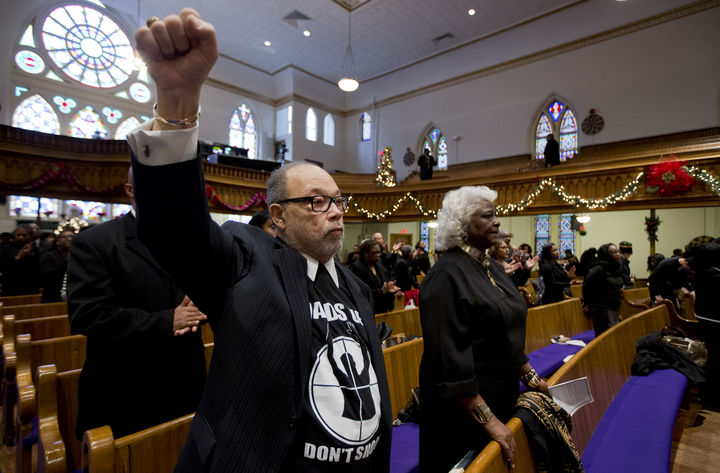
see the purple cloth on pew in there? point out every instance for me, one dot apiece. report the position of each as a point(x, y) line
point(404, 449)
point(635, 433)
point(586, 337)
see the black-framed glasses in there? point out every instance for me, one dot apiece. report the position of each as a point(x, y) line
point(321, 203)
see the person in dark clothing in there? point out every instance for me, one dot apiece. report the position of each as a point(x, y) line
point(626, 251)
point(555, 278)
point(369, 269)
point(473, 321)
point(706, 263)
point(53, 265)
point(262, 220)
point(426, 163)
point(352, 256)
point(587, 258)
point(19, 264)
point(602, 289)
point(552, 151)
point(420, 259)
point(387, 258)
point(670, 275)
point(402, 272)
point(653, 260)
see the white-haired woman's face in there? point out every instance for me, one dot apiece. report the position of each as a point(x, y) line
point(482, 231)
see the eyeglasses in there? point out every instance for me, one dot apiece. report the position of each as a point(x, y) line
point(321, 203)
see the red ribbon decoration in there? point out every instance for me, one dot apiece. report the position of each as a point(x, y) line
point(258, 199)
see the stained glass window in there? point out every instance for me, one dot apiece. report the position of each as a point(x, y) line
point(88, 46)
point(29, 61)
point(425, 234)
point(555, 109)
point(329, 130)
point(140, 92)
point(64, 104)
point(87, 124)
point(542, 231)
point(242, 130)
point(568, 136)
point(543, 129)
point(126, 127)
point(112, 115)
point(93, 211)
point(25, 206)
point(366, 126)
point(567, 235)
point(118, 210)
point(311, 125)
point(35, 114)
point(28, 38)
point(434, 140)
point(557, 119)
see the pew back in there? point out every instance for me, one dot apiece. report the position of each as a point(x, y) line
point(8, 301)
point(67, 353)
point(405, 321)
point(606, 362)
point(43, 328)
point(33, 311)
point(560, 318)
point(153, 450)
point(402, 364)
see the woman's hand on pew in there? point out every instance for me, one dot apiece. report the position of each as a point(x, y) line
point(502, 434)
point(187, 317)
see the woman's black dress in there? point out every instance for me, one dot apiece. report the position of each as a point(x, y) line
point(383, 302)
point(555, 279)
point(474, 336)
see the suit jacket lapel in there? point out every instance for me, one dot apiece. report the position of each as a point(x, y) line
point(293, 272)
point(136, 246)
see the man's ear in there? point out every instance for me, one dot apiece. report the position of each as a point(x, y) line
point(277, 214)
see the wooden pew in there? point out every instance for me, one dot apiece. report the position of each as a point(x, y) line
point(67, 353)
point(43, 328)
point(576, 290)
point(402, 364)
point(33, 311)
point(560, 318)
point(8, 301)
point(8, 390)
point(638, 295)
point(606, 361)
point(153, 450)
point(58, 451)
point(405, 321)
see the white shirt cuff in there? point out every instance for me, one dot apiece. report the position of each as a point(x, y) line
point(155, 148)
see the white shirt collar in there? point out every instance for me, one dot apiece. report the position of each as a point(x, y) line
point(312, 268)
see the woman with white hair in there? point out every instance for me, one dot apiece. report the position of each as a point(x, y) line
point(473, 321)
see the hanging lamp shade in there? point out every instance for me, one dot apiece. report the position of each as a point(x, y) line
point(349, 82)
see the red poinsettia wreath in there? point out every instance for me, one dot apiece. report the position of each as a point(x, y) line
point(668, 178)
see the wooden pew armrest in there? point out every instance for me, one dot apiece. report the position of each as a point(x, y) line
point(98, 451)
point(52, 457)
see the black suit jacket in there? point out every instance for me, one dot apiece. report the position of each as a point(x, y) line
point(137, 373)
point(381, 302)
point(254, 290)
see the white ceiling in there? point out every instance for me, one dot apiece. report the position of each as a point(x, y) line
point(386, 34)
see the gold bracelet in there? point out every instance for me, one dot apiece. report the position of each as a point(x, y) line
point(180, 122)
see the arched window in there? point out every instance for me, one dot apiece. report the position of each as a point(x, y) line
point(557, 119)
point(434, 140)
point(35, 114)
point(329, 130)
point(87, 124)
point(242, 131)
point(86, 44)
point(126, 127)
point(311, 125)
point(366, 126)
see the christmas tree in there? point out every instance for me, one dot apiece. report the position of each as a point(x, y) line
point(385, 172)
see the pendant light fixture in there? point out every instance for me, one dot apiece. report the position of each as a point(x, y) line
point(349, 82)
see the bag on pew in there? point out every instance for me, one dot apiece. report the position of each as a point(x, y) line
point(693, 349)
point(411, 413)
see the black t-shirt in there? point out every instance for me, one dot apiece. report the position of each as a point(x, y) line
point(339, 429)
